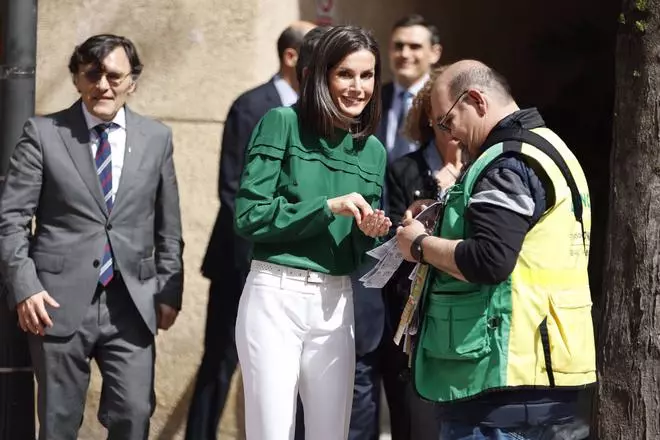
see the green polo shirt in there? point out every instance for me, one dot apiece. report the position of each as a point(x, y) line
point(289, 175)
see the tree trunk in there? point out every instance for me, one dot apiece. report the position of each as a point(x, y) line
point(629, 335)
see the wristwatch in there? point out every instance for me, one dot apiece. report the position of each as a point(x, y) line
point(416, 248)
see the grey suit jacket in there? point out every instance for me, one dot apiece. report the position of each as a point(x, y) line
point(52, 177)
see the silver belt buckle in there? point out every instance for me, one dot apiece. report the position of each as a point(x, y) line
point(314, 278)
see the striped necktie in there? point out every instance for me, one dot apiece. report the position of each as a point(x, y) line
point(103, 161)
point(401, 145)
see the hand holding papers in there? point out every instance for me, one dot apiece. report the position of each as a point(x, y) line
point(410, 316)
point(388, 255)
point(429, 215)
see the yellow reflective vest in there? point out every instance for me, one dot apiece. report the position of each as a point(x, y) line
point(535, 328)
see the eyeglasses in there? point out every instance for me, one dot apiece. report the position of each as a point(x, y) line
point(115, 79)
point(441, 123)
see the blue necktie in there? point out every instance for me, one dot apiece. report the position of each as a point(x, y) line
point(401, 145)
point(103, 161)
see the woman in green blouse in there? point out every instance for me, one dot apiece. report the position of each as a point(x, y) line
point(308, 200)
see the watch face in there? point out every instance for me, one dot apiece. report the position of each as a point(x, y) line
point(416, 248)
point(416, 251)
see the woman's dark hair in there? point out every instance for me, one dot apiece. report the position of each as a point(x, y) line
point(96, 48)
point(317, 109)
point(307, 48)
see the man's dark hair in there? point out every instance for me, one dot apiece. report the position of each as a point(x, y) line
point(290, 38)
point(480, 77)
point(307, 48)
point(96, 48)
point(418, 20)
point(317, 108)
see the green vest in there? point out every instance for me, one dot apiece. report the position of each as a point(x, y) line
point(535, 328)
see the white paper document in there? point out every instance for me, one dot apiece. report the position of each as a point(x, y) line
point(381, 251)
point(389, 259)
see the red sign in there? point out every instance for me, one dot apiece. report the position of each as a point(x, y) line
point(325, 12)
point(326, 5)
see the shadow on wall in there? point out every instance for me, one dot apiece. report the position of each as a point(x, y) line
point(581, 112)
point(562, 64)
point(177, 418)
point(232, 421)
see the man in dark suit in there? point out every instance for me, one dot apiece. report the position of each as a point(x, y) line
point(103, 269)
point(414, 49)
point(227, 260)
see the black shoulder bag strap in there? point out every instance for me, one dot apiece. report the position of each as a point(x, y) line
point(538, 141)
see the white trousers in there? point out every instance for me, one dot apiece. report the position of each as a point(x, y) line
point(294, 334)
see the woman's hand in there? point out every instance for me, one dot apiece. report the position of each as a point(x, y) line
point(417, 207)
point(376, 224)
point(352, 204)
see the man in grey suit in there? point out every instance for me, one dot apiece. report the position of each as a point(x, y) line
point(102, 270)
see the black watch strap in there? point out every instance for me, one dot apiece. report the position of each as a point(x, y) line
point(416, 248)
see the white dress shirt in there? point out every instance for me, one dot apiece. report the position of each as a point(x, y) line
point(117, 139)
point(288, 95)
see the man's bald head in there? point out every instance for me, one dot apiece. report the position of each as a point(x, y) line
point(472, 74)
point(292, 37)
point(303, 25)
point(468, 99)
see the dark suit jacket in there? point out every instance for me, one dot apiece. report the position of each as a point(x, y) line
point(386, 96)
point(369, 307)
point(226, 250)
point(409, 178)
point(52, 177)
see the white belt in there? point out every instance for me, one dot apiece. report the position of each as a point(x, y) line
point(291, 273)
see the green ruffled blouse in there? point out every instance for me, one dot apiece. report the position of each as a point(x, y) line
point(289, 175)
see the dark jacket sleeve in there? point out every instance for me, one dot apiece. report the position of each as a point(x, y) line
point(408, 179)
point(168, 235)
point(19, 197)
point(396, 194)
point(235, 138)
point(505, 204)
